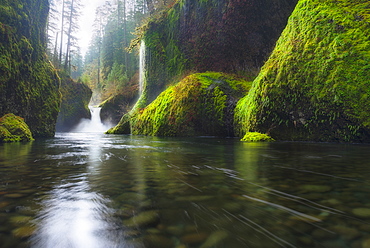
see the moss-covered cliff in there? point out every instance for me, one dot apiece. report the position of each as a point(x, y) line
point(74, 107)
point(29, 85)
point(316, 84)
point(229, 36)
point(200, 104)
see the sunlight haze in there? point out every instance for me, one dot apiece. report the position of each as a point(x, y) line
point(86, 22)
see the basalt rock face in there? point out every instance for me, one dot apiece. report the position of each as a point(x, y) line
point(29, 85)
point(229, 36)
point(74, 107)
point(316, 84)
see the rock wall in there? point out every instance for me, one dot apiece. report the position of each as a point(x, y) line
point(74, 107)
point(315, 85)
point(229, 36)
point(29, 85)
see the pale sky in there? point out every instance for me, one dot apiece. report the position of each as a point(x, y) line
point(86, 22)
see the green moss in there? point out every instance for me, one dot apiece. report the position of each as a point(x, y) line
point(200, 104)
point(75, 100)
point(315, 85)
point(256, 137)
point(229, 36)
point(14, 129)
point(29, 85)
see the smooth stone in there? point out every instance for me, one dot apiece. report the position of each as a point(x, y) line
point(194, 238)
point(4, 204)
point(153, 231)
point(143, 219)
point(131, 197)
point(362, 212)
point(331, 202)
point(215, 239)
point(321, 234)
point(347, 232)
point(233, 207)
point(175, 230)
point(14, 196)
point(24, 231)
point(20, 219)
point(157, 241)
point(366, 243)
point(195, 198)
point(315, 188)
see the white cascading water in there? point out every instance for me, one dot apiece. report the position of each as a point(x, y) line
point(141, 67)
point(93, 125)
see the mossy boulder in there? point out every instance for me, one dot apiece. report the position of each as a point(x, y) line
point(29, 84)
point(14, 129)
point(200, 104)
point(74, 107)
point(316, 84)
point(256, 137)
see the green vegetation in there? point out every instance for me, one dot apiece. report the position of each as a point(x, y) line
point(315, 85)
point(75, 100)
point(216, 35)
point(200, 104)
point(14, 129)
point(256, 137)
point(29, 85)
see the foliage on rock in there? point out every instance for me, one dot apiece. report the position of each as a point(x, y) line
point(117, 105)
point(256, 137)
point(315, 85)
point(200, 104)
point(217, 35)
point(29, 85)
point(74, 107)
point(14, 129)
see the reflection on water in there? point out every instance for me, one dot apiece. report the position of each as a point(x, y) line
point(93, 190)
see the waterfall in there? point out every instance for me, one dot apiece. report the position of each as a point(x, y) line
point(93, 125)
point(141, 67)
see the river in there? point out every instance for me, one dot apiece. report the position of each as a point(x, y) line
point(95, 190)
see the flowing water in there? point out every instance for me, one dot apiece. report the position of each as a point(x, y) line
point(95, 190)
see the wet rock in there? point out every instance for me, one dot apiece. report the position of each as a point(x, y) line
point(233, 207)
point(346, 232)
point(361, 212)
point(175, 230)
point(143, 219)
point(4, 204)
point(20, 219)
point(195, 198)
point(332, 202)
point(24, 231)
point(215, 239)
point(366, 243)
point(14, 196)
point(194, 238)
point(157, 241)
point(153, 231)
point(131, 197)
point(315, 188)
point(321, 234)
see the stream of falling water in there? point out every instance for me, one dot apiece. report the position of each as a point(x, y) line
point(142, 67)
point(93, 125)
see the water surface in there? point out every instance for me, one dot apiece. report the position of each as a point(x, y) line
point(94, 190)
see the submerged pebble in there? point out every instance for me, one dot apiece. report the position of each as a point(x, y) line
point(143, 219)
point(362, 212)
